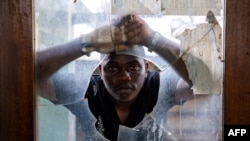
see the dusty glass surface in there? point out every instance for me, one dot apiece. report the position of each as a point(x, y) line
point(201, 47)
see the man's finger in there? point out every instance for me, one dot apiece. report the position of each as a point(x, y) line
point(133, 26)
point(133, 35)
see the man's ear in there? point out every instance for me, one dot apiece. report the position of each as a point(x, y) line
point(146, 66)
point(100, 70)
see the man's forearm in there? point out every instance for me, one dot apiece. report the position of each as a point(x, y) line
point(52, 58)
point(170, 51)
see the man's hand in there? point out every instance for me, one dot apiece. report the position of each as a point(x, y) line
point(111, 38)
point(105, 39)
point(143, 37)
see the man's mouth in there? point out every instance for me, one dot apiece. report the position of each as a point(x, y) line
point(124, 89)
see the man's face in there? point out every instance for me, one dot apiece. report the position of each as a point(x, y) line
point(123, 76)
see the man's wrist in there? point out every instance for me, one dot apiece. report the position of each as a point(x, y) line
point(86, 46)
point(153, 43)
point(155, 39)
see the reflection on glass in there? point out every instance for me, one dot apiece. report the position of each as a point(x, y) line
point(174, 117)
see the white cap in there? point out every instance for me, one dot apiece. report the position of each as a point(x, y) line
point(136, 51)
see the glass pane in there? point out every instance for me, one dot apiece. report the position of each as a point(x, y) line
point(174, 117)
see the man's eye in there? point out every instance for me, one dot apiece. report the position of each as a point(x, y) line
point(134, 67)
point(112, 68)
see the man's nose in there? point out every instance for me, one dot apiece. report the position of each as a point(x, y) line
point(125, 76)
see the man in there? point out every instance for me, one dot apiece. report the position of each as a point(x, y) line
point(124, 92)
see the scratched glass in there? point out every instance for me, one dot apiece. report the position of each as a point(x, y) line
point(197, 119)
